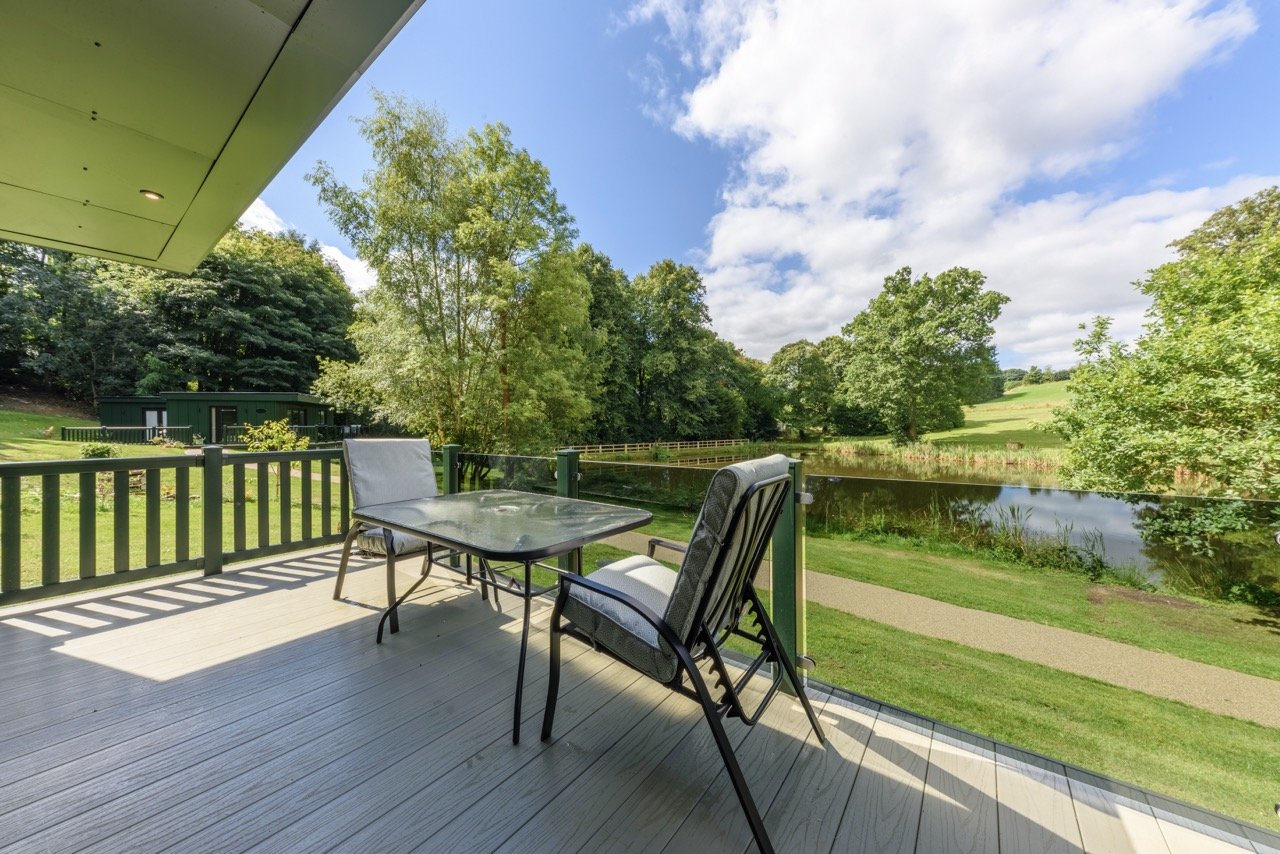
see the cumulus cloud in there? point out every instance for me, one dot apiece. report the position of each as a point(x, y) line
point(358, 275)
point(878, 134)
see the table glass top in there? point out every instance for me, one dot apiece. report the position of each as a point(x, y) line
point(506, 525)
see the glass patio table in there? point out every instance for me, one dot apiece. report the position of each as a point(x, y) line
point(502, 525)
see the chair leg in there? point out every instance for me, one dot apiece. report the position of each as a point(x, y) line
point(553, 682)
point(730, 760)
point(428, 561)
point(788, 667)
point(391, 591)
point(346, 556)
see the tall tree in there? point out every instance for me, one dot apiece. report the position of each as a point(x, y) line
point(615, 346)
point(675, 382)
point(473, 331)
point(805, 386)
point(1197, 393)
point(921, 350)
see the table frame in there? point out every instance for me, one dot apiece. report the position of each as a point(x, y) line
point(527, 558)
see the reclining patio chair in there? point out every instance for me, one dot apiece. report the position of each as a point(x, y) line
point(665, 624)
point(382, 471)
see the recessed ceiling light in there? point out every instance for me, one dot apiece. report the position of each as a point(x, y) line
point(152, 195)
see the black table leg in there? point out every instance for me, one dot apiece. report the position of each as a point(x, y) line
point(524, 649)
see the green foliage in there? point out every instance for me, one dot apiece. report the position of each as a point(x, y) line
point(921, 350)
point(1195, 397)
point(98, 451)
point(255, 314)
point(474, 330)
point(274, 436)
point(615, 347)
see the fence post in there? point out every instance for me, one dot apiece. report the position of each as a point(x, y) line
point(211, 499)
point(451, 471)
point(788, 568)
point(567, 487)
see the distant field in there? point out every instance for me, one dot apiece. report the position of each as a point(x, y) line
point(1012, 418)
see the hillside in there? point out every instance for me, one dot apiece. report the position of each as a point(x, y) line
point(1011, 418)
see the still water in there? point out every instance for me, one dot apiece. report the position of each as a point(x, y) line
point(1196, 545)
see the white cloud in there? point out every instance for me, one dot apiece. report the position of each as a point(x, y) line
point(878, 134)
point(358, 275)
point(262, 217)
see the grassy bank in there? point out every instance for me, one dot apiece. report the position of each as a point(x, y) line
point(1215, 761)
point(1235, 636)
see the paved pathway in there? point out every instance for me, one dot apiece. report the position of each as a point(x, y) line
point(1215, 689)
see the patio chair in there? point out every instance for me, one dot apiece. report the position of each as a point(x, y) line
point(665, 623)
point(382, 471)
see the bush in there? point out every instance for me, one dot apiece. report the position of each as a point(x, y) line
point(274, 436)
point(98, 450)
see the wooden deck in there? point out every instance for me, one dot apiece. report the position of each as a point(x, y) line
point(251, 711)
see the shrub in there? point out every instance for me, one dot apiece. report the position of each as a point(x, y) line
point(97, 450)
point(274, 436)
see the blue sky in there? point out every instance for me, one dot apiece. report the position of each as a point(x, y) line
point(797, 151)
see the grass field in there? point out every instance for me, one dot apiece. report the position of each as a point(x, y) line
point(1018, 416)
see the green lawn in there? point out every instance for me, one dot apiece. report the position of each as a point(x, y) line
point(1212, 760)
point(1234, 636)
point(1013, 417)
point(22, 438)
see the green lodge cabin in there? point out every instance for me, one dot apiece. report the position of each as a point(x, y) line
point(218, 417)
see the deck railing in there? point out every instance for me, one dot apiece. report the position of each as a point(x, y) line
point(138, 511)
point(251, 505)
point(127, 435)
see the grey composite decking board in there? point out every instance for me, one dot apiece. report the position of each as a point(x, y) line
point(219, 753)
point(566, 821)
point(1114, 817)
point(25, 767)
point(806, 813)
point(112, 774)
point(766, 757)
point(1036, 810)
point(883, 814)
point(959, 809)
point(271, 721)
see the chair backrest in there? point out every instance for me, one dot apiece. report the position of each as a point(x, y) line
point(384, 470)
point(728, 543)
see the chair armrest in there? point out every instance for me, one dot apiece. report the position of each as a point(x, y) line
point(644, 611)
point(654, 542)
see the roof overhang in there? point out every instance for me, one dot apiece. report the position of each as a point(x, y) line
point(200, 101)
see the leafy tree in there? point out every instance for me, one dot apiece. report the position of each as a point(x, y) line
point(805, 385)
point(274, 436)
point(922, 349)
point(674, 386)
point(616, 345)
point(1197, 393)
point(1034, 376)
point(256, 315)
point(473, 331)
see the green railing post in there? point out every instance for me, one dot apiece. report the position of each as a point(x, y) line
point(452, 474)
point(567, 487)
point(788, 568)
point(211, 499)
point(451, 471)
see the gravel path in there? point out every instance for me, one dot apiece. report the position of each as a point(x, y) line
point(1214, 689)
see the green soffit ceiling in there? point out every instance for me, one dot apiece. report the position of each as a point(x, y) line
point(198, 101)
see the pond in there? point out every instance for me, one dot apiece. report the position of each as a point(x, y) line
point(1194, 545)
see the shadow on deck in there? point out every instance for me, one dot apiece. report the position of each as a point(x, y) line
point(250, 710)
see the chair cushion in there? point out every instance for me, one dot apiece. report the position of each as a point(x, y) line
point(386, 470)
point(618, 628)
point(372, 540)
point(710, 531)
